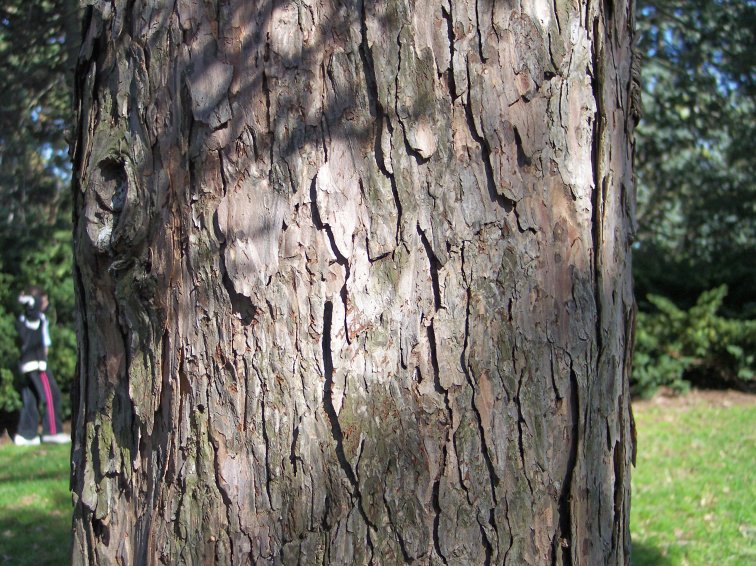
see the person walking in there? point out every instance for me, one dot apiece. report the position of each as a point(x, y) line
point(39, 386)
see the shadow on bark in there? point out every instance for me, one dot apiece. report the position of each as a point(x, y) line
point(482, 426)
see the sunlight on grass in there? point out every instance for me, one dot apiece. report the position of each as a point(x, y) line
point(694, 488)
point(35, 505)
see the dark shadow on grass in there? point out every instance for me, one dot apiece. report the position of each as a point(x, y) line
point(34, 538)
point(8, 422)
point(645, 555)
point(35, 522)
point(7, 474)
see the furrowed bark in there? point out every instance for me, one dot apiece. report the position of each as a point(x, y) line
point(354, 283)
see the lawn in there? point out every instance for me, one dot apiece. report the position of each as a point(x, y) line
point(35, 505)
point(694, 487)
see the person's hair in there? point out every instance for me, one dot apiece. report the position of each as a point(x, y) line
point(35, 291)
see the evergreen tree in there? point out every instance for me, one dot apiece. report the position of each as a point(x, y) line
point(37, 42)
point(695, 165)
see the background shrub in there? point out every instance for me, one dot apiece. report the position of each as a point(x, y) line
point(676, 347)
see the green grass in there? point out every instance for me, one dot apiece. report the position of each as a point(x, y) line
point(694, 487)
point(694, 491)
point(35, 505)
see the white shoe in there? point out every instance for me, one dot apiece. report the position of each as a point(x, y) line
point(19, 440)
point(60, 438)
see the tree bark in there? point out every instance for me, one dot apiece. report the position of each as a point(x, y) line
point(354, 282)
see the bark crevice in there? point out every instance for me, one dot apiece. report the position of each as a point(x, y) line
point(437, 511)
point(598, 196)
point(386, 410)
point(448, 18)
point(493, 477)
point(266, 438)
point(506, 204)
point(521, 433)
point(478, 31)
point(336, 433)
point(563, 538)
point(433, 264)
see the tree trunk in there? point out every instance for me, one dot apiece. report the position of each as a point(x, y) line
point(354, 282)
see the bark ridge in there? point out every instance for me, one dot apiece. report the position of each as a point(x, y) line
point(354, 282)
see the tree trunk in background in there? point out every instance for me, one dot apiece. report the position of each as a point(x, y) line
point(354, 282)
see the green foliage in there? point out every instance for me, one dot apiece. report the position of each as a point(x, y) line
point(49, 266)
point(62, 360)
point(696, 194)
point(694, 162)
point(673, 344)
point(10, 400)
point(38, 42)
